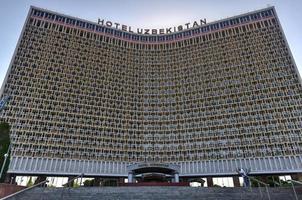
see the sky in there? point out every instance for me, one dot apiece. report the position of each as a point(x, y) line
point(146, 14)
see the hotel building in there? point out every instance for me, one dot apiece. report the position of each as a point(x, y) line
point(208, 100)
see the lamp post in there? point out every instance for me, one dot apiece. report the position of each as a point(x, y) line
point(4, 163)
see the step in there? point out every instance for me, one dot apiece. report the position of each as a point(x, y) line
point(127, 193)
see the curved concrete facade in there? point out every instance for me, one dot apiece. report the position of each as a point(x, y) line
point(210, 99)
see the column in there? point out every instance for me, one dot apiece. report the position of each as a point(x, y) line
point(236, 181)
point(210, 182)
point(176, 177)
point(130, 177)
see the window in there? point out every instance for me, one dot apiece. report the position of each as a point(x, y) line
point(255, 16)
point(49, 16)
point(234, 21)
point(70, 21)
point(81, 24)
point(244, 19)
point(214, 26)
point(59, 18)
point(224, 24)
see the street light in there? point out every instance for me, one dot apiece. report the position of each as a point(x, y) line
point(3, 165)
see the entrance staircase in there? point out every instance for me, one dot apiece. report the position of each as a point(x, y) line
point(159, 193)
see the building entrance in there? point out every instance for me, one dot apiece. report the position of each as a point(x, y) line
point(153, 172)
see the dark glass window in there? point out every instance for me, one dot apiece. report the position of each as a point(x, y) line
point(118, 33)
point(135, 37)
point(169, 37)
point(187, 33)
point(49, 16)
point(90, 26)
point(244, 19)
point(224, 24)
point(214, 26)
point(205, 29)
point(81, 24)
point(109, 31)
point(178, 35)
point(234, 21)
point(152, 38)
point(127, 35)
point(59, 18)
point(38, 13)
point(100, 29)
point(196, 31)
point(255, 16)
point(161, 38)
point(70, 21)
point(267, 13)
point(144, 38)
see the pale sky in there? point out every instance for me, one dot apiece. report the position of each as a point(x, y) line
point(146, 14)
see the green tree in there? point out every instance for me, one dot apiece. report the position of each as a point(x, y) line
point(273, 181)
point(75, 184)
point(4, 145)
point(88, 183)
point(30, 182)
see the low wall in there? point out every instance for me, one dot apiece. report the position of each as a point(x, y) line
point(155, 184)
point(7, 189)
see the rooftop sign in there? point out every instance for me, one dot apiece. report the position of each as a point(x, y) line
point(147, 31)
point(151, 35)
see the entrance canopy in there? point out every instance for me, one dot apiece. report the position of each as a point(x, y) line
point(143, 168)
point(153, 168)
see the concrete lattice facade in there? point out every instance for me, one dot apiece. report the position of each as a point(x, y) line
point(92, 99)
